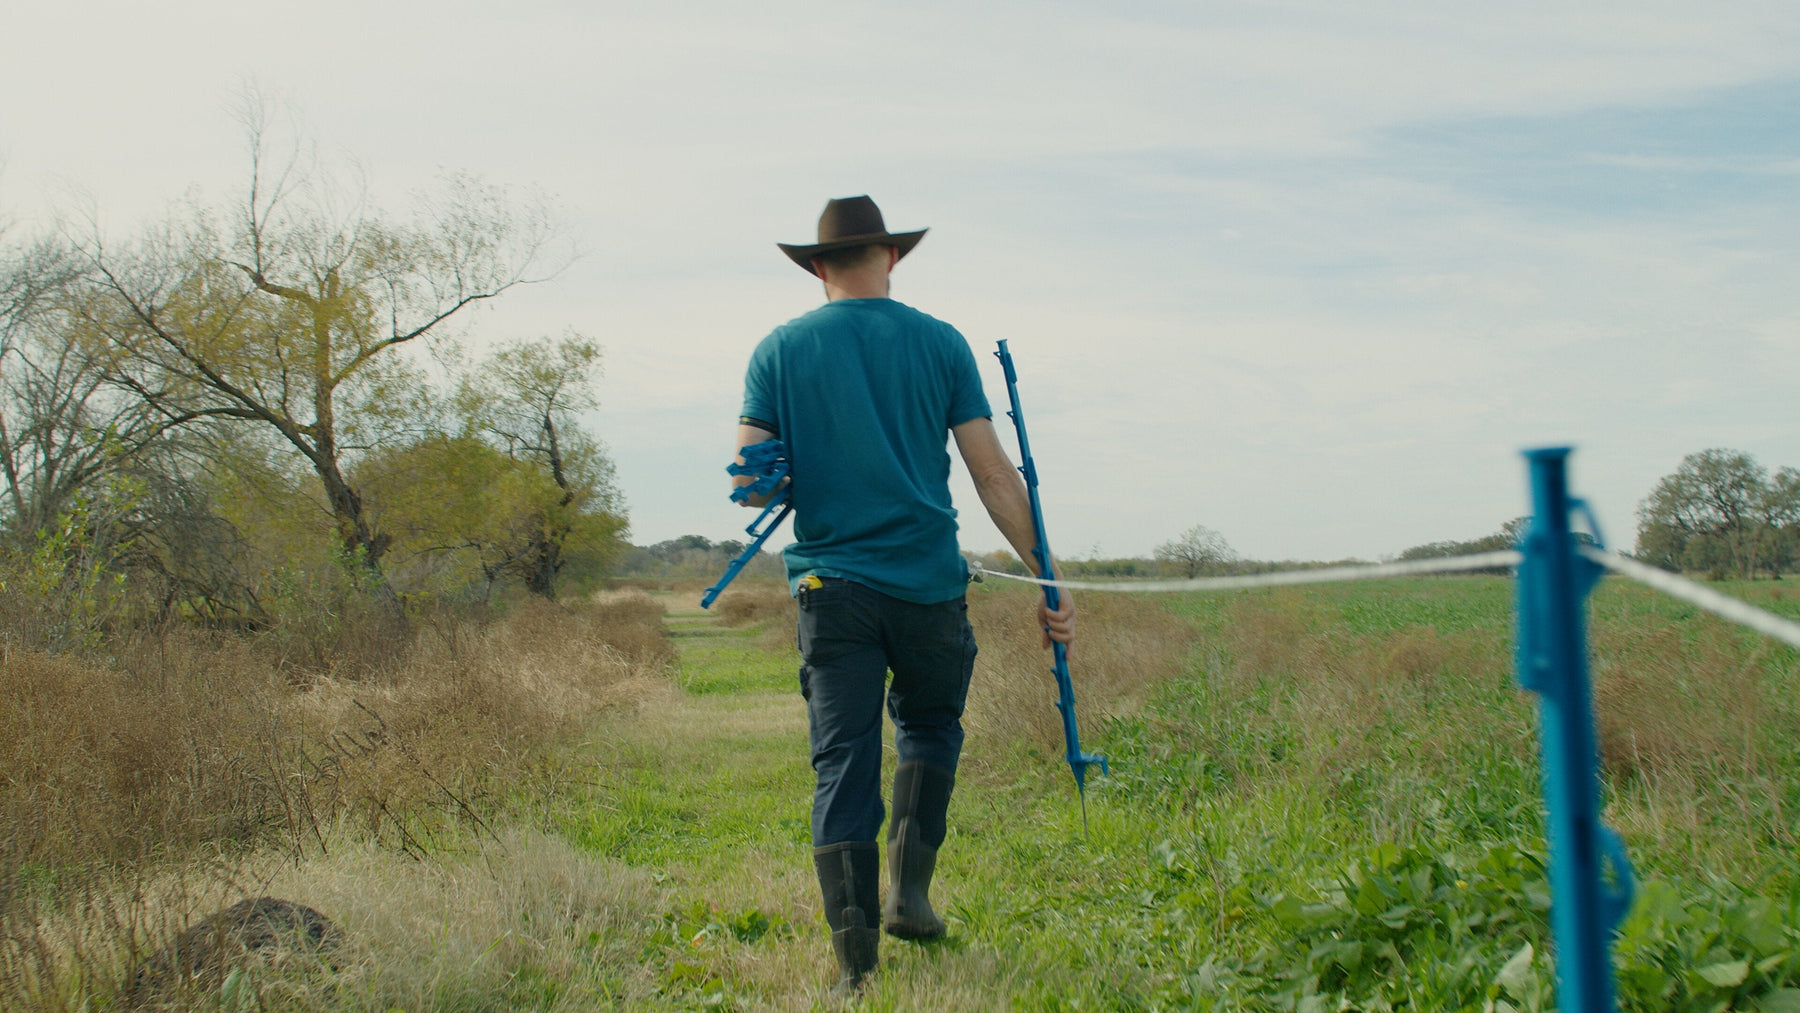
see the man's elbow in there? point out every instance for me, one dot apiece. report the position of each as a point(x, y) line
point(996, 480)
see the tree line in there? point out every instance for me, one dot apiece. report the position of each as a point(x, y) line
point(246, 394)
point(1722, 514)
point(1719, 514)
point(692, 557)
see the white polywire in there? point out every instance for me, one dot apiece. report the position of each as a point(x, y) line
point(1767, 623)
point(1328, 575)
point(1785, 630)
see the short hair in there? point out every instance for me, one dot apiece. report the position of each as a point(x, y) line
point(849, 257)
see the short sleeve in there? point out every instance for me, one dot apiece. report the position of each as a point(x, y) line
point(967, 399)
point(759, 386)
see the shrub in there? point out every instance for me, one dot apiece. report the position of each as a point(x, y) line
point(193, 742)
point(755, 603)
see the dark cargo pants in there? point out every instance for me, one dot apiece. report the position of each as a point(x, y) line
point(850, 637)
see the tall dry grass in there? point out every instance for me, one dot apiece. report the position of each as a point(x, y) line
point(1698, 722)
point(1699, 729)
point(1284, 696)
point(449, 934)
point(189, 737)
point(454, 934)
point(1666, 702)
point(756, 602)
point(1122, 650)
point(184, 743)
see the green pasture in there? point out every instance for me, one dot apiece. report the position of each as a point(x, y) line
point(1335, 807)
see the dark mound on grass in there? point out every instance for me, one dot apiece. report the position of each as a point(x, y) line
point(266, 928)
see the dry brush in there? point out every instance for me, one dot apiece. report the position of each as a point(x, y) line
point(188, 754)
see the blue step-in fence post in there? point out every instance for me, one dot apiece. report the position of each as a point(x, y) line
point(1079, 760)
point(1553, 582)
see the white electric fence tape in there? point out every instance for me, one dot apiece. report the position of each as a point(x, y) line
point(1327, 575)
point(1785, 630)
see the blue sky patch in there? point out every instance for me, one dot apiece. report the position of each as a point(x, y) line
point(1737, 146)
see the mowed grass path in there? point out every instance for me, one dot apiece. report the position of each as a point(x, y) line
point(1333, 806)
point(712, 794)
point(691, 783)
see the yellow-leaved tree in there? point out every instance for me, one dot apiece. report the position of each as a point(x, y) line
point(525, 401)
point(293, 312)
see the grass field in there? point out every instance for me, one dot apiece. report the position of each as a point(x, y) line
point(1321, 800)
point(1331, 803)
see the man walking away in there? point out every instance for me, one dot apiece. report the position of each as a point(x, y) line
point(862, 391)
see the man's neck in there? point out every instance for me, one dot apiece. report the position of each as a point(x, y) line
point(867, 283)
point(866, 279)
point(877, 290)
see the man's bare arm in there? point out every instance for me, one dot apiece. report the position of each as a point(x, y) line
point(748, 436)
point(1003, 493)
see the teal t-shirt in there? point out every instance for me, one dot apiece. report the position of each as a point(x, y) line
point(864, 393)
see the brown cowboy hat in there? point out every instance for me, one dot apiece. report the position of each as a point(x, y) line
point(850, 221)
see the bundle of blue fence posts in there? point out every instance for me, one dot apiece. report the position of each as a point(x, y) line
point(1552, 658)
point(768, 463)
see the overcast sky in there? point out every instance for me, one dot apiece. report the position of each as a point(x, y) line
point(1310, 274)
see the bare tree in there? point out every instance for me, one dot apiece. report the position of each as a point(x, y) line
point(64, 421)
point(28, 280)
point(1197, 550)
point(291, 311)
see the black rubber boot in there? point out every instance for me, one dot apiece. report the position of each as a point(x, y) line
point(850, 881)
point(915, 831)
